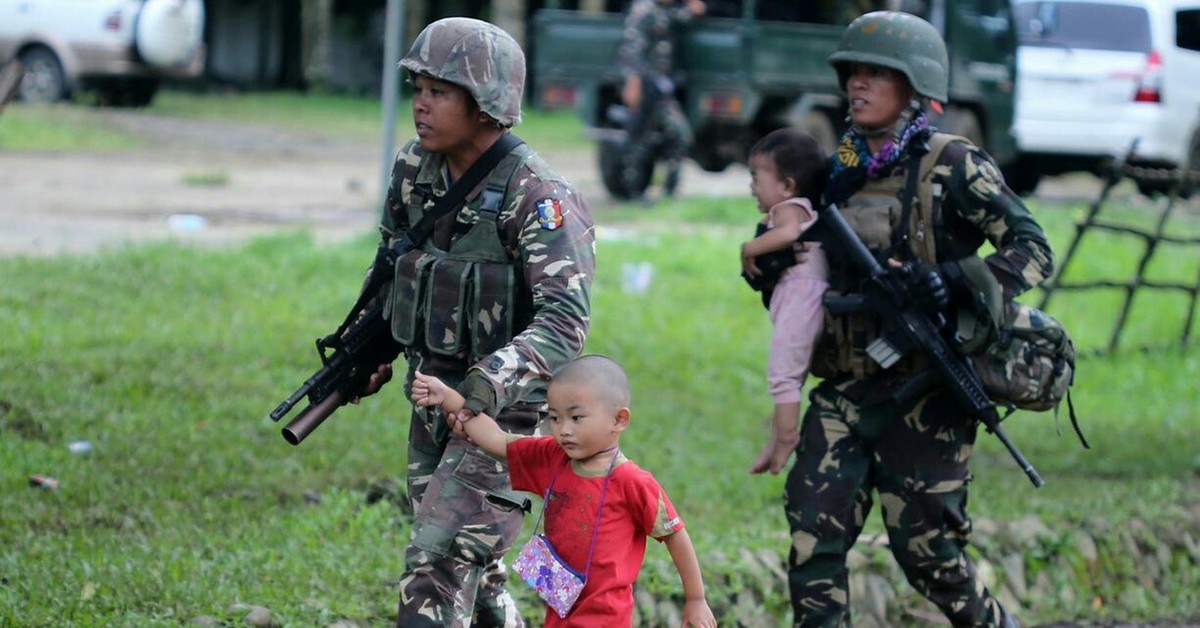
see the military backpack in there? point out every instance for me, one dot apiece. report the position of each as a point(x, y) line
point(1027, 360)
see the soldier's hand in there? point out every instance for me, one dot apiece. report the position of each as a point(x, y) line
point(749, 267)
point(381, 376)
point(697, 7)
point(801, 249)
point(631, 92)
point(458, 422)
point(924, 284)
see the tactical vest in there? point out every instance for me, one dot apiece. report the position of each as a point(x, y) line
point(461, 302)
point(875, 213)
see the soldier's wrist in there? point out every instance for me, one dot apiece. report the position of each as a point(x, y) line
point(479, 393)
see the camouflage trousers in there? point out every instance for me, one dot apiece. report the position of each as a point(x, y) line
point(915, 458)
point(466, 518)
point(665, 118)
point(676, 130)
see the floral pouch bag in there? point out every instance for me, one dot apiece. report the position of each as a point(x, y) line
point(540, 566)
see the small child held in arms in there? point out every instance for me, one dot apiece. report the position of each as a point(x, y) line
point(787, 177)
point(599, 505)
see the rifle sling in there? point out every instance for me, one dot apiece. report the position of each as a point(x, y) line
point(385, 258)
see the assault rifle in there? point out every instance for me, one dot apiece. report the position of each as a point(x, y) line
point(364, 340)
point(357, 353)
point(908, 329)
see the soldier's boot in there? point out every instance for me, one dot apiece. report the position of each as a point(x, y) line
point(671, 181)
point(1008, 620)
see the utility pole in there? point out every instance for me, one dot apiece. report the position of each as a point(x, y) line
point(392, 33)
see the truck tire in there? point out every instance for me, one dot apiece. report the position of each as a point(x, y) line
point(1022, 176)
point(964, 122)
point(128, 92)
point(44, 81)
point(613, 156)
point(1192, 181)
point(819, 125)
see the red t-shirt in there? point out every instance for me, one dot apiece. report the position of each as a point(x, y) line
point(635, 507)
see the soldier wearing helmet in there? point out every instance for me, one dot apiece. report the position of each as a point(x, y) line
point(494, 301)
point(925, 200)
point(646, 57)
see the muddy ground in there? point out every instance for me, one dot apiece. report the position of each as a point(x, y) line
point(205, 181)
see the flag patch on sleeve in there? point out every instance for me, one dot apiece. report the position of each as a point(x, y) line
point(550, 215)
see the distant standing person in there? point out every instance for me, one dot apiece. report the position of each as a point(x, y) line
point(925, 201)
point(646, 58)
point(599, 506)
point(787, 175)
point(495, 301)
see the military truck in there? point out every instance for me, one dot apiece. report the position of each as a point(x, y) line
point(749, 67)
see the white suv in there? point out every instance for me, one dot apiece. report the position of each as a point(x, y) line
point(123, 48)
point(1094, 75)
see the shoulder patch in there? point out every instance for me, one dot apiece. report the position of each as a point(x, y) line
point(982, 177)
point(550, 215)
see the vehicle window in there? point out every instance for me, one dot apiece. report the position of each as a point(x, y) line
point(838, 12)
point(1187, 29)
point(1088, 25)
point(991, 15)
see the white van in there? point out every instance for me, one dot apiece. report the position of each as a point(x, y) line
point(1094, 75)
point(123, 48)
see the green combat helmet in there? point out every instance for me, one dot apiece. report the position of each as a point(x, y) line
point(477, 56)
point(900, 41)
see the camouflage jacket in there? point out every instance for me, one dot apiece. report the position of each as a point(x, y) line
point(972, 204)
point(963, 197)
point(648, 40)
point(546, 229)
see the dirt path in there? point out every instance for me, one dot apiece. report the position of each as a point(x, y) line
point(203, 181)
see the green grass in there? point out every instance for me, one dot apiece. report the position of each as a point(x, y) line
point(62, 127)
point(167, 358)
point(340, 117)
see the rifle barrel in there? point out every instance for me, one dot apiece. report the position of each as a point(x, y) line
point(312, 417)
point(1022, 462)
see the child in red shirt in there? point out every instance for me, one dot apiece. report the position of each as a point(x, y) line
point(582, 466)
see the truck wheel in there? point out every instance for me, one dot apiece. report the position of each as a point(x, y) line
point(1152, 187)
point(1022, 176)
point(1192, 181)
point(128, 92)
point(820, 127)
point(964, 122)
point(614, 155)
point(709, 160)
point(44, 80)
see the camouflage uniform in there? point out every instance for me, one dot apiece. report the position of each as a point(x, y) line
point(647, 49)
point(495, 302)
point(857, 438)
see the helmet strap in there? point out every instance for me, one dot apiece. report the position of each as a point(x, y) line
point(906, 117)
point(897, 129)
